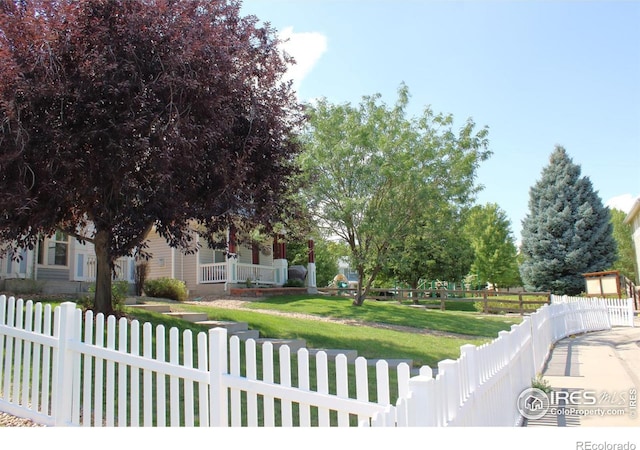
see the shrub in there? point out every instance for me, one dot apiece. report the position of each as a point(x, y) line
point(166, 288)
point(119, 291)
point(293, 282)
point(540, 383)
point(21, 286)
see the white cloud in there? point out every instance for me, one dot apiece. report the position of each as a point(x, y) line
point(622, 202)
point(306, 48)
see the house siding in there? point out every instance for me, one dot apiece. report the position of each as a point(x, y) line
point(266, 260)
point(161, 263)
point(633, 220)
point(636, 241)
point(47, 273)
point(186, 268)
point(171, 263)
point(245, 256)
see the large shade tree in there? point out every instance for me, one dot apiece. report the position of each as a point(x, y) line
point(372, 172)
point(495, 255)
point(567, 232)
point(626, 261)
point(119, 115)
point(437, 249)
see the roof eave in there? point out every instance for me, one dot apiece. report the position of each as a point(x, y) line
point(634, 211)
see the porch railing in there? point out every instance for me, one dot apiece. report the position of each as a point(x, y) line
point(235, 272)
point(256, 273)
point(123, 269)
point(213, 273)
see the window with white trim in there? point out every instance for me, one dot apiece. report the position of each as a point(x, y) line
point(54, 250)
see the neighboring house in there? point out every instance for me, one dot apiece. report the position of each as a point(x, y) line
point(351, 274)
point(633, 219)
point(62, 264)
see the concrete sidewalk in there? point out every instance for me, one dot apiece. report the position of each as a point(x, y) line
point(595, 379)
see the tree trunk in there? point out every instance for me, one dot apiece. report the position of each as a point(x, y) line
point(362, 293)
point(359, 298)
point(414, 292)
point(102, 301)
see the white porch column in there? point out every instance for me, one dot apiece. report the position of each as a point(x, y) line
point(281, 267)
point(311, 270)
point(311, 279)
point(232, 267)
point(231, 258)
point(280, 263)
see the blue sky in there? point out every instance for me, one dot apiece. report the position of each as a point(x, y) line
point(537, 73)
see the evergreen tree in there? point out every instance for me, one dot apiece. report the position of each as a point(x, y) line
point(567, 232)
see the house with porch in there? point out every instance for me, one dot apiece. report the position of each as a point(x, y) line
point(209, 271)
point(64, 265)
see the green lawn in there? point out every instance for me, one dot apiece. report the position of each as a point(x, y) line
point(369, 341)
point(388, 312)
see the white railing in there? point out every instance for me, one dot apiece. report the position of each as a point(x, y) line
point(257, 274)
point(123, 269)
point(59, 368)
point(234, 272)
point(213, 273)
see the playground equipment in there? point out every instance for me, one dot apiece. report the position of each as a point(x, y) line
point(341, 282)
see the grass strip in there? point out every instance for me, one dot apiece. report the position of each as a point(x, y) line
point(391, 313)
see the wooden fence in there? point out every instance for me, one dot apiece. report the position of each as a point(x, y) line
point(486, 301)
point(60, 368)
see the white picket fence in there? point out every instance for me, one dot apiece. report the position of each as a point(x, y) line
point(620, 309)
point(59, 368)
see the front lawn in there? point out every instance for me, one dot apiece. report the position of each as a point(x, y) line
point(459, 322)
point(429, 344)
point(370, 342)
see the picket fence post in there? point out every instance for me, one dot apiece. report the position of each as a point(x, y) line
point(448, 372)
point(218, 407)
point(62, 393)
point(420, 404)
point(468, 351)
point(629, 312)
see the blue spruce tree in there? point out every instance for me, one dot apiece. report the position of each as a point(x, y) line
point(568, 231)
